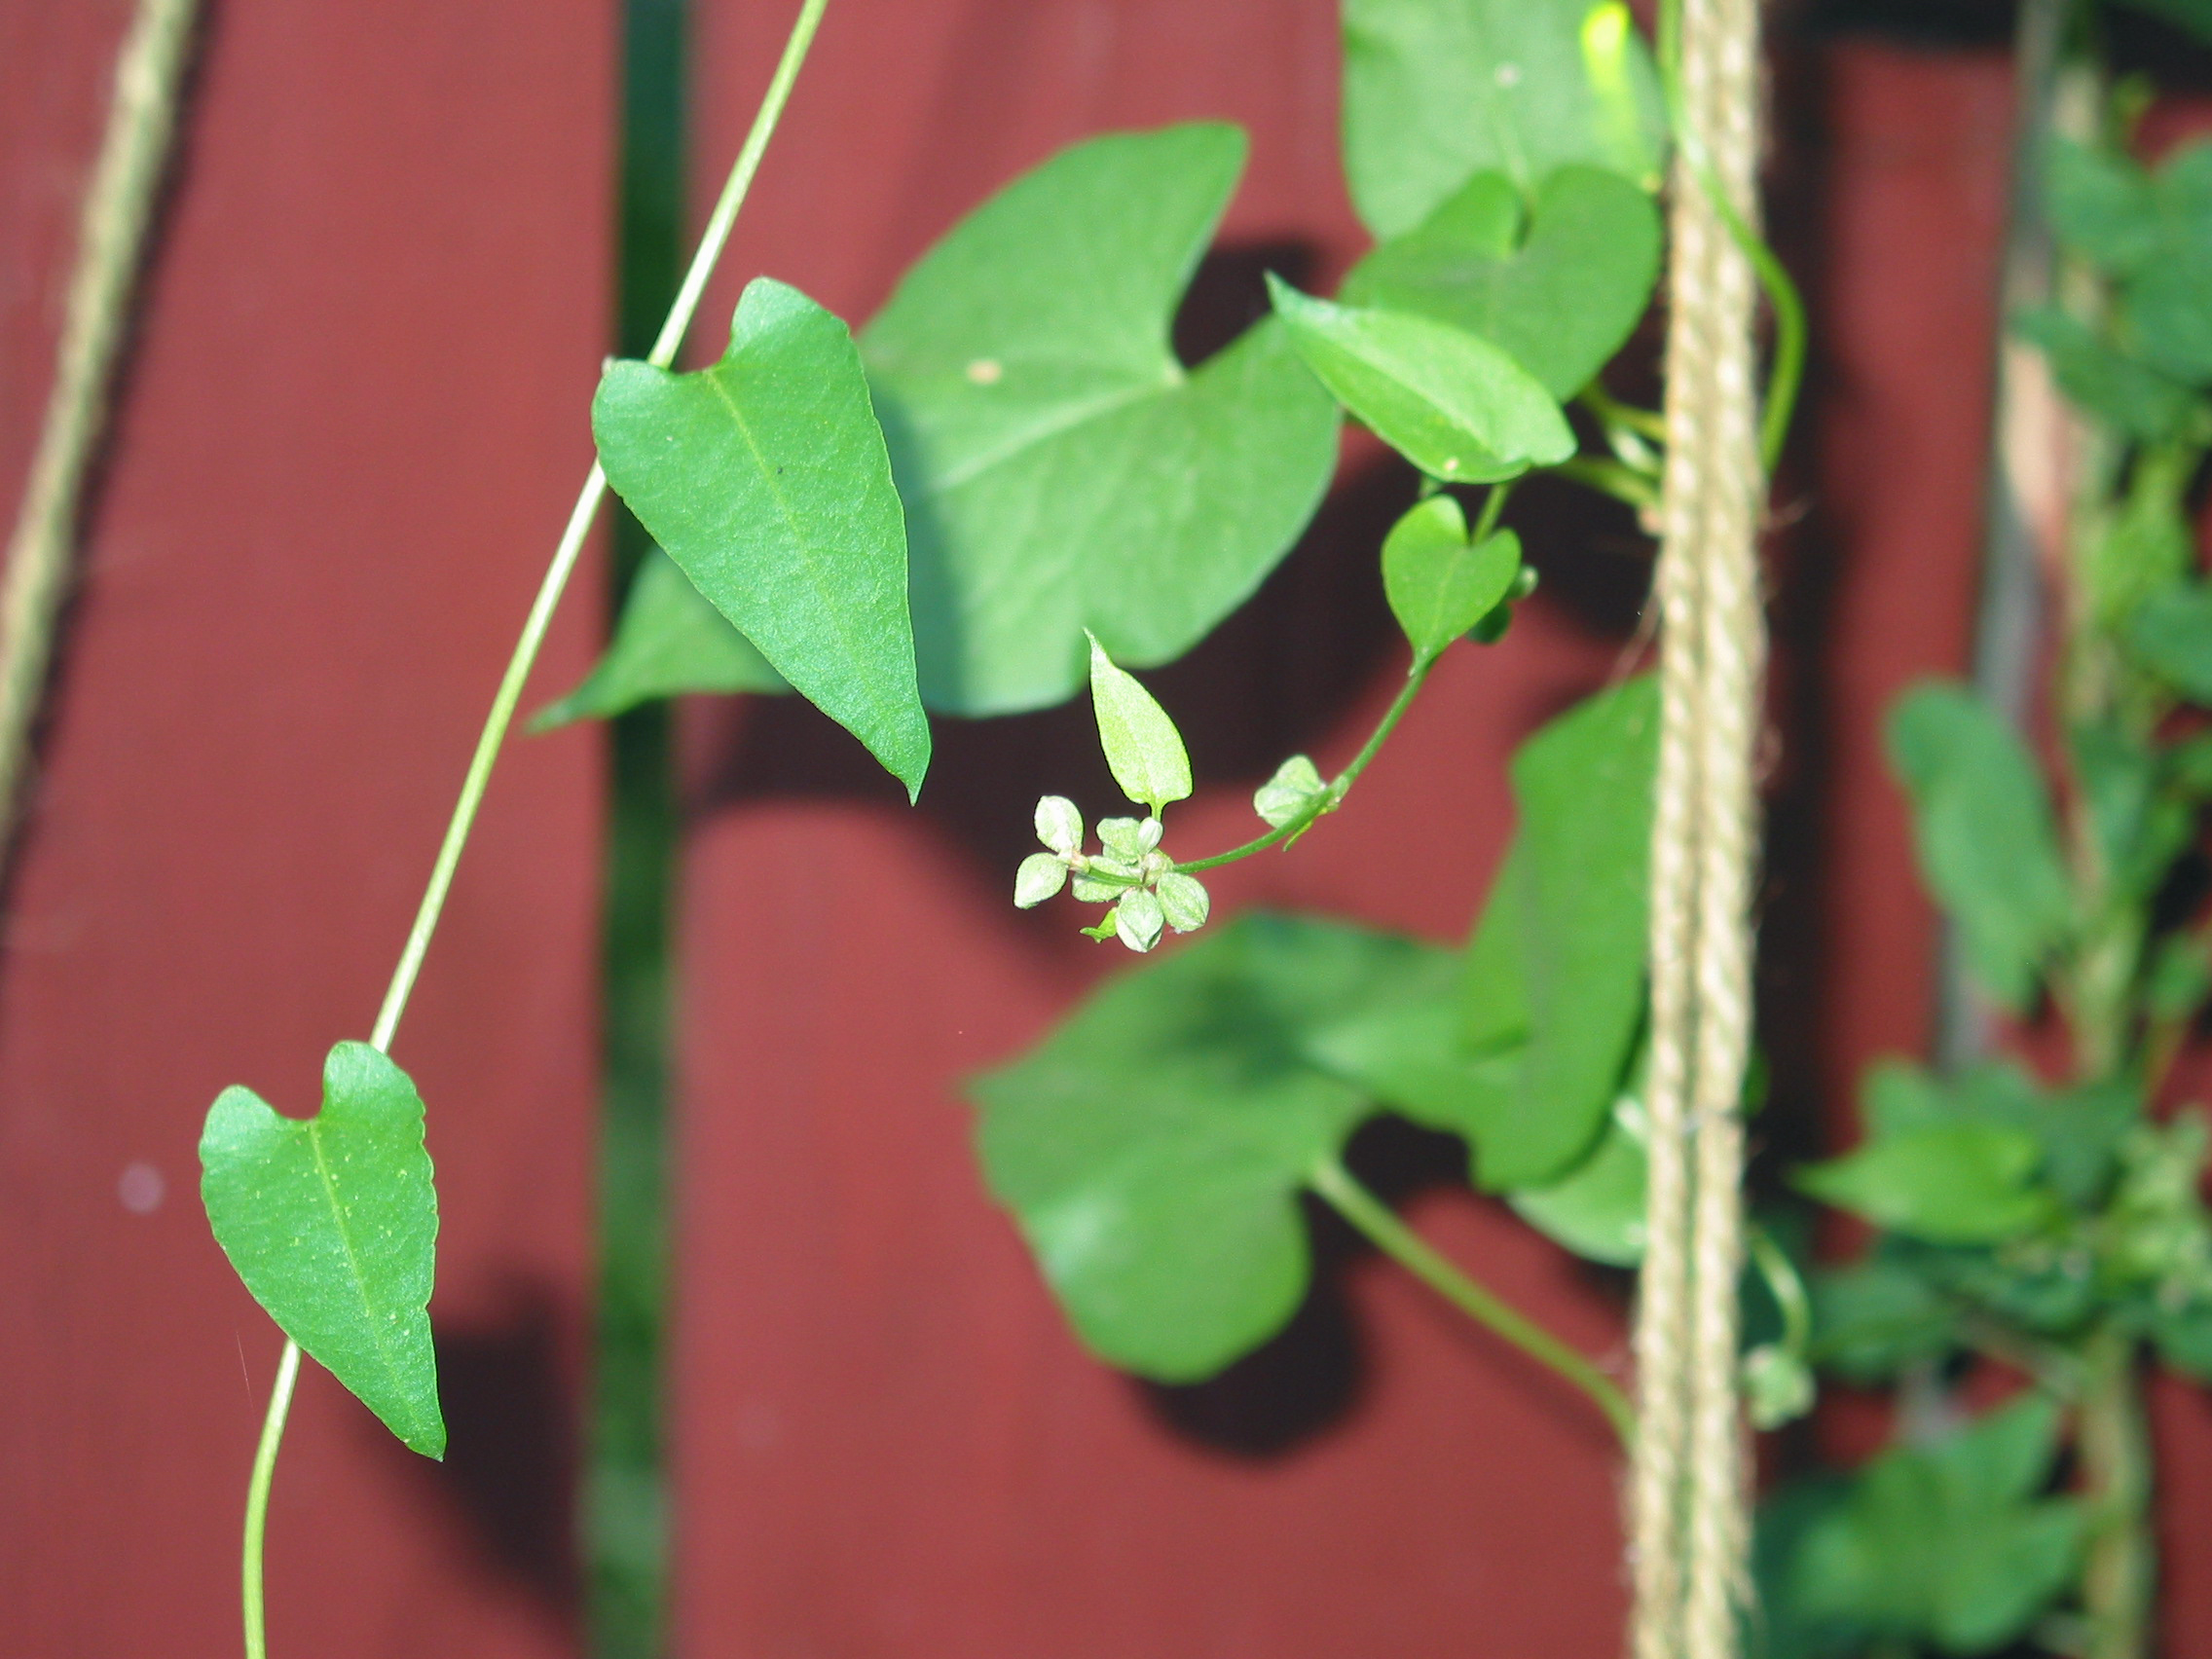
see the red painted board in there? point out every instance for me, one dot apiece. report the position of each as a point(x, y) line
point(350, 434)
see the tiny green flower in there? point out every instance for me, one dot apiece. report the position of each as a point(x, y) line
point(1138, 919)
point(1184, 902)
point(1040, 875)
point(1058, 824)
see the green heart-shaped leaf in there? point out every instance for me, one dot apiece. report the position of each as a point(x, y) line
point(1452, 403)
point(766, 479)
point(669, 639)
point(1061, 471)
point(332, 1222)
point(1560, 295)
point(1436, 90)
point(1439, 585)
point(1153, 1147)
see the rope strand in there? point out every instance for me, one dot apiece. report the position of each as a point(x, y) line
point(1689, 1513)
point(118, 207)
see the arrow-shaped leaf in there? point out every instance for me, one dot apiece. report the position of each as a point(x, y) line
point(332, 1223)
point(766, 479)
point(1062, 469)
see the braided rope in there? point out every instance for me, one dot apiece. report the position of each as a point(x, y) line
point(118, 206)
point(1689, 1507)
point(1662, 1449)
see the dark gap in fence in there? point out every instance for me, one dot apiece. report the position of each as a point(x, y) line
point(624, 1535)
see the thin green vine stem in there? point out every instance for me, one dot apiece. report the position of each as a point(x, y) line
point(257, 1498)
point(1380, 1225)
point(497, 722)
point(1329, 798)
point(578, 530)
point(1786, 374)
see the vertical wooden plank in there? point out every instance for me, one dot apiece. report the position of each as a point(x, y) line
point(886, 1438)
point(352, 428)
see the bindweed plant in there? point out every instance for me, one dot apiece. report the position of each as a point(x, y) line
point(1007, 484)
point(1007, 487)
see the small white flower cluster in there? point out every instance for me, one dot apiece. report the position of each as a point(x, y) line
point(1130, 871)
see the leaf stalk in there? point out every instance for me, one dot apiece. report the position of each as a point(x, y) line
point(1380, 1225)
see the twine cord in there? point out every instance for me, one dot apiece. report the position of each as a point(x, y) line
point(118, 209)
point(1688, 1508)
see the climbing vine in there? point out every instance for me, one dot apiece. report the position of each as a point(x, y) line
point(1006, 489)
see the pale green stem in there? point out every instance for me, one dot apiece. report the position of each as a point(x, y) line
point(1787, 1288)
point(1381, 1227)
point(2120, 1573)
point(504, 702)
point(671, 339)
point(1333, 796)
point(1787, 373)
point(257, 1497)
point(1337, 790)
point(1640, 490)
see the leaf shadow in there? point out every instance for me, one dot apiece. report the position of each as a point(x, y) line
point(509, 1481)
point(1311, 1379)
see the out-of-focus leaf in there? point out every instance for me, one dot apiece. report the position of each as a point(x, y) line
point(2171, 635)
point(2078, 1129)
point(2194, 15)
point(1596, 1209)
point(1559, 285)
point(2104, 382)
point(669, 639)
point(2140, 828)
point(2102, 205)
point(1947, 1545)
point(1873, 1319)
point(1987, 845)
point(1060, 469)
point(1949, 1183)
point(2150, 232)
point(1436, 90)
point(2164, 305)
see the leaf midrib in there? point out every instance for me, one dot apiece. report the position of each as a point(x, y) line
point(353, 1261)
point(808, 562)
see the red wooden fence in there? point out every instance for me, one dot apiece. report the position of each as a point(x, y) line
point(348, 435)
point(352, 427)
